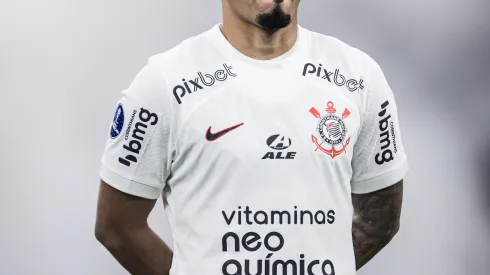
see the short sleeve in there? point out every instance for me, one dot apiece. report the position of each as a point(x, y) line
point(138, 150)
point(379, 159)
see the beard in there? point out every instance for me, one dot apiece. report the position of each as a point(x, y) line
point(274, 19)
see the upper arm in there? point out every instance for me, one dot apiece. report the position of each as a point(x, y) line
point(383, 206)
point(379, 157)
point(117, 210)
point(138, 151)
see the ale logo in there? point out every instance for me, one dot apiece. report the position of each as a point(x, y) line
point(279, 143)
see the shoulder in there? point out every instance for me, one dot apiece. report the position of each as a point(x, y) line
point(335, 49)
point(182, 56)
point(152, 81)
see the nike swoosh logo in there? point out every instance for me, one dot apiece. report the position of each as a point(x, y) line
point(214, 136)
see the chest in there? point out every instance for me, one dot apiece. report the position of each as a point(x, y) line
point(271, 117)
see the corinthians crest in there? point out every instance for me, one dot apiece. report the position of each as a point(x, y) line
point(331, 131)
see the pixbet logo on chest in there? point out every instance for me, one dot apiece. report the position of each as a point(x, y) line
point(137, 138)
point(333, 76)
point(190, 86)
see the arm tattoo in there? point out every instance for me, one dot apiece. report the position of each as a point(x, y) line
point(376, 220)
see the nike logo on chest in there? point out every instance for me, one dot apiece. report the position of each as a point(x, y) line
point(210, 136)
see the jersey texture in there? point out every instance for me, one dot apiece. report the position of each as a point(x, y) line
point(258, 159)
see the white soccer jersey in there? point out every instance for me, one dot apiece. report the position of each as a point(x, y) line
point(258, 158)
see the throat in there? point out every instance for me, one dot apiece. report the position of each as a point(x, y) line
point(260, 44)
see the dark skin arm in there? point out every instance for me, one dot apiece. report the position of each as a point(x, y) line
point(122, 228)
point(376, 221)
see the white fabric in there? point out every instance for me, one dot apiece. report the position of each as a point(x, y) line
point(309, 128)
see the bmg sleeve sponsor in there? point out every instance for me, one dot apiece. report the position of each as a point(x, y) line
point(138, 135)
point(386, 136)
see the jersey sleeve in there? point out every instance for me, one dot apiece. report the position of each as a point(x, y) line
point(139, 148)
point(379, 159)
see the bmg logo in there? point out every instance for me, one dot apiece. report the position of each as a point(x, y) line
point(386, 133)
point(333, 77)
point(140, 129)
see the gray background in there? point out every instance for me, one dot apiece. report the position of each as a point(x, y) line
point(63, 64)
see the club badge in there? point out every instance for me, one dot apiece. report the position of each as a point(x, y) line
point(331, 130)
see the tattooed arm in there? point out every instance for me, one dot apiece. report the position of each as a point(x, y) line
point(376, 221)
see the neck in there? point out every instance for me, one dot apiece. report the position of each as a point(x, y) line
point(255, 42)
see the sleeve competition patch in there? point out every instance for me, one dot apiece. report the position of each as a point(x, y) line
point(117, 122)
